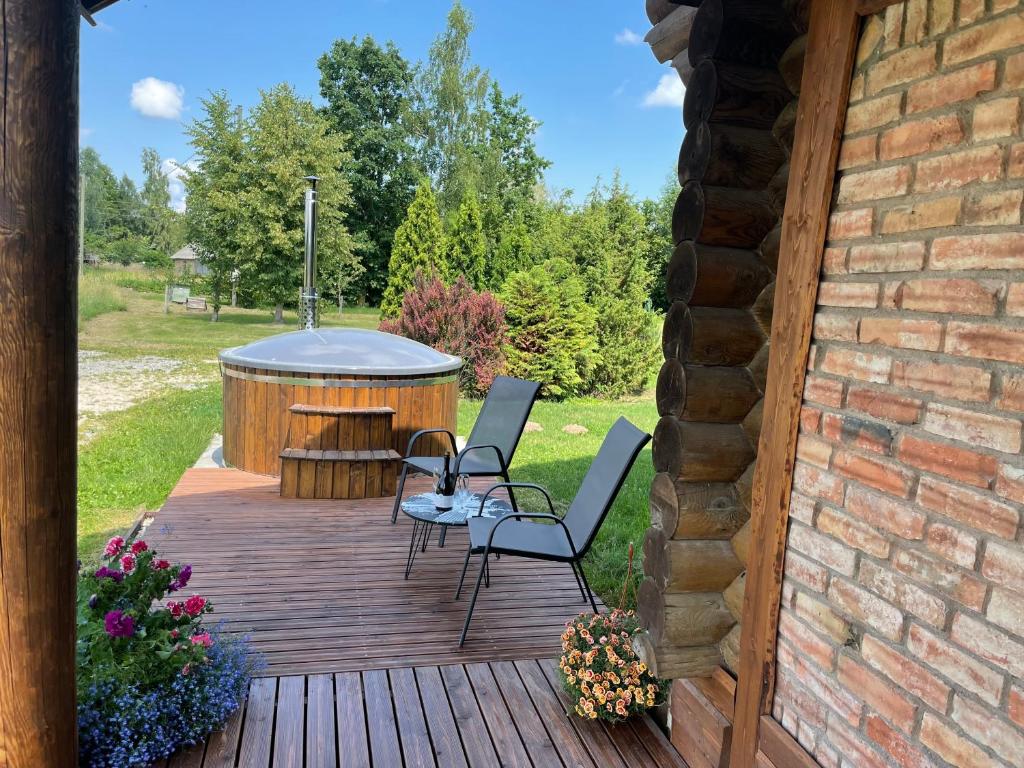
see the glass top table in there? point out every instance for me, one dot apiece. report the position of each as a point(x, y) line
point(425, 515)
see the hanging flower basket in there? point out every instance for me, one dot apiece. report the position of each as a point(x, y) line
point(151, 677)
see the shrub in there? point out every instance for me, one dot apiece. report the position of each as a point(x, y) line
point(551, 329)
point(151, 678)
point(457, 320)
point(419, 245)
point(600, 669)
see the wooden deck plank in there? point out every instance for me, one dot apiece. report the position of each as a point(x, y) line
point(554, 717)
point(258, 728)
point(504, 735)
point(222, 746)
point(321, 734)
point(444, 733)
point(353, 744)
point(527, 721)
point(380, 717)
point(476, 739)
point(412, 726)
point(289, 725)
point(189, 758)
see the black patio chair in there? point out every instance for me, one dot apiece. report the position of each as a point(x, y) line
point(491, 444)
point(564, 539)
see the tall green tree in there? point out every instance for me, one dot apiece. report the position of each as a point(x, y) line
point(367, 89)
point(162, 223)
point(467, 246)
point(419, 246)
point(214, 186)
point(658, 238)
point(287, 140)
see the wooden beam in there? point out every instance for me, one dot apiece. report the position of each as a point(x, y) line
point(831, 47)
point(781, 748)
point(871, 7)
point(38, 377)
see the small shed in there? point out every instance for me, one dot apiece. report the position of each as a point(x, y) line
point(186, 262)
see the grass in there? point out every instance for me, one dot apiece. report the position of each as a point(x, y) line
point(558, 461)
point(97, 296)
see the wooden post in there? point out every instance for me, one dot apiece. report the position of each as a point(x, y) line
point(831, 46)
point(38, 376)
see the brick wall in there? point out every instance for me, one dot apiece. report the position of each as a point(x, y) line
point(901, 639)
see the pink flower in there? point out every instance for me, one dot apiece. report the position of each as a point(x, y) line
point(139, 546)
point(202, 639)
point(186, 669)
point(113, 546)
point(128, 563)
point(160, 565)
point(176, 608)
point(195, 605)
point(175, 634)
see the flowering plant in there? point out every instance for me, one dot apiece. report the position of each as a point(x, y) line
point(151, 677)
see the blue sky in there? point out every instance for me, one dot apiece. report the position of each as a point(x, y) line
point(579, 65)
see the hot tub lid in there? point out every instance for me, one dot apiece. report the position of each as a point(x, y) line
point(342, 350)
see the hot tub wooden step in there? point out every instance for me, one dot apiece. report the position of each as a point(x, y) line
point(339, 428)
point(334, 474)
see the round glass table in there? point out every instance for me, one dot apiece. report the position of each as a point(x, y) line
point(425, 515)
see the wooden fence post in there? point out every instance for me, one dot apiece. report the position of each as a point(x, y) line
point(38, 376)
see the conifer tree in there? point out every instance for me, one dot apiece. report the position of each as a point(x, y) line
point(467, 246)
point(419, 245)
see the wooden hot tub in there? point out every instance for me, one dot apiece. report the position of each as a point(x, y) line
point(346, 370)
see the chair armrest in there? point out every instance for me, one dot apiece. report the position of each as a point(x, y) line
point(532, 486)
point(420, 433)
point(533, 516)
point(468, 448)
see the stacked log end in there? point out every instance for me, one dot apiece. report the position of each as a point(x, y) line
point(743, 59)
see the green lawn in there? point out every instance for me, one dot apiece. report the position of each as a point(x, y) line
point(138, 455)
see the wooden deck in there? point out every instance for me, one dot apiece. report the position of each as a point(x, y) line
point(363, 667)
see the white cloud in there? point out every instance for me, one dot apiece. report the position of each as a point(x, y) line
point(669, 92)
point(628, 37)
point(175, 173)
point(157, 98)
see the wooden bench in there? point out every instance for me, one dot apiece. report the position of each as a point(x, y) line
point(197, 303)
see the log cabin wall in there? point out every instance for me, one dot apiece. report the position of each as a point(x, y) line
point(741, 61)
point(901, 633)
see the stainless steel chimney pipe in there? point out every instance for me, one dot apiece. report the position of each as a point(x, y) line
point(308, 315)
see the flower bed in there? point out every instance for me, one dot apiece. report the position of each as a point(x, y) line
point(151, 677)
point(601, 671)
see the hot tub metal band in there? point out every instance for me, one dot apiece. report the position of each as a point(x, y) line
point(336, 383)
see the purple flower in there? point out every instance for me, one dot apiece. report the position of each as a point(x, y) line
point(119, 624)
point(109, 573)
point(181, 580)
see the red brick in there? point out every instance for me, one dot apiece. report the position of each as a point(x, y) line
point(859, 151)
point(1005, 740)
point(878, 473)
point(808, 573)
point(822, 618)
point(877, 693)
point(807, 707)
point(955, 665)
point(854, 749)
point(952, 543)
point(873, 113)
point(1013, 76)
point(846, 225)
point(903, 66)
point(816, 482)
point(853, 533)
point(950, 295)
point(941, 576)
point(902, 333)
point(994, 208)
point(970, 11)
point(950, 746)
point(915, 21)
point(985, 340)
point(829, 327)
point(893, 744)
point(1001, 250)
point(823, 686)
point(801, 508)
point(886, 514)
point(950, 88)
point(901, 592)
point(814, 450)
point(920, 137)
point(1015, 708)
point(824, 549)
point(968, 507)
point(1004, 565)
point(866, 608)
point(905, 673)
point(833, 294)
point(856, 364)
point(1010, 483)
point(1015, 168)
point(926, 214)
point(957, 382)
point(942, 12)
point(983, 39)
point(988, 643)
point(1006, 609)
point(833, 261)
point(810, 419)
point(984, 429)
point(958, 169)
point(806, 641)
point(868, 435)
point(873, 185)
point(887, 257)
point(884, 405)
point(953, 462)
point(995, 119)
point(828, 392)
point(1015, 300)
